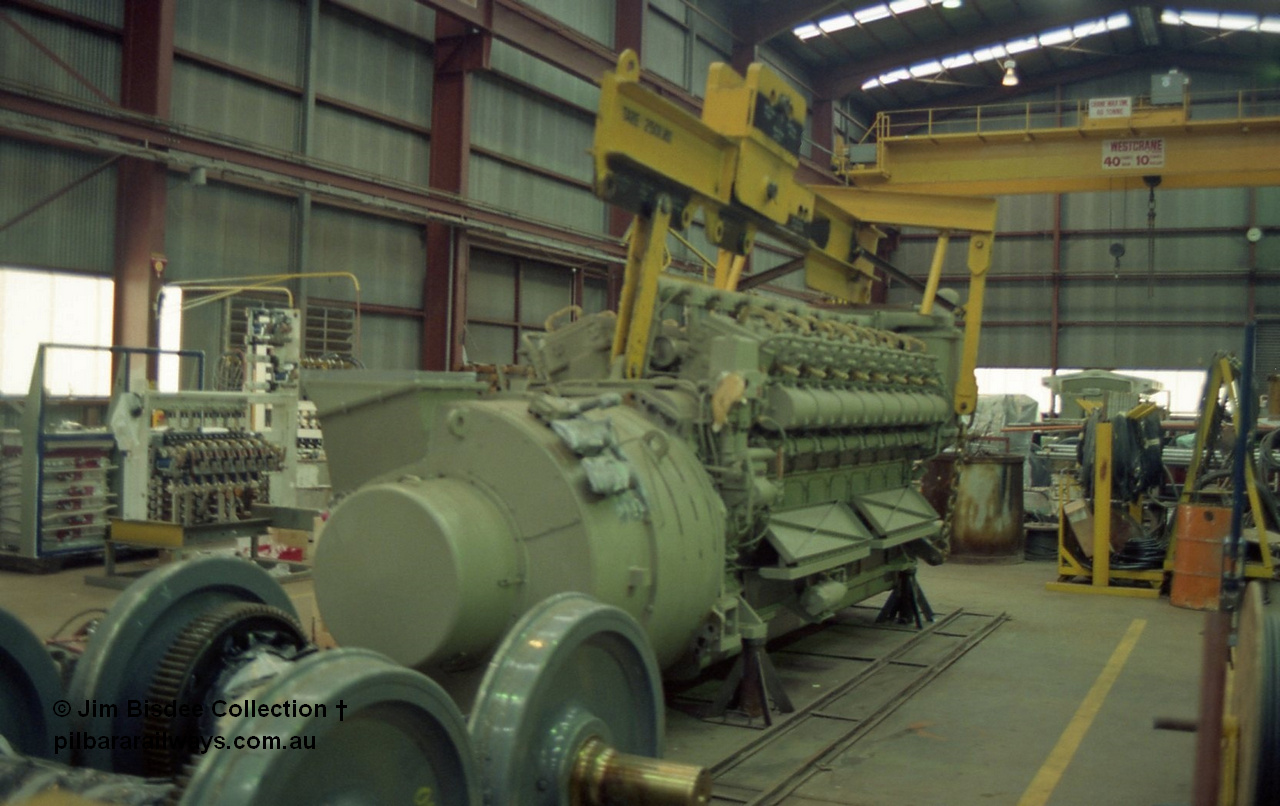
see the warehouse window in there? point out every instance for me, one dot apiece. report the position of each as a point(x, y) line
point(1180, 395)
point(41, 306)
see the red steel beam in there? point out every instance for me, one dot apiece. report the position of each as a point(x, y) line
point(146, 79)
point(823, 130)
point(628, 26)
point(165, 138)
point(459, 51)
point(55, 58)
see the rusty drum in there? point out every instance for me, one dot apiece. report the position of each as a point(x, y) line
point(988, 519)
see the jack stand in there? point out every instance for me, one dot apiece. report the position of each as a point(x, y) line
point(751, 684)
point(906, 602)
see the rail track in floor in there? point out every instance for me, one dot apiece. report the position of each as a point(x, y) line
point(864, 673)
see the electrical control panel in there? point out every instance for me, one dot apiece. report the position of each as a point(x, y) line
point(195, 458)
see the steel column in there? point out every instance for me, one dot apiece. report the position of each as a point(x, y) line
point(311, 37)
point(628, 26)
point(459, 50)
point(145, 82)
point(823, 131)
point(1055, 310)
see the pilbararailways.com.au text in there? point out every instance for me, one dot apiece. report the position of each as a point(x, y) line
point(76, 741)
point(80, 740)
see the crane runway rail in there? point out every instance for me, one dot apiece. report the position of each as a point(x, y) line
point(876, 669)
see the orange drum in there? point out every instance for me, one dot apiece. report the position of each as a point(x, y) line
point(1197, 559)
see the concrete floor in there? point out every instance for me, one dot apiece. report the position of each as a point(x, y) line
point(978, 733)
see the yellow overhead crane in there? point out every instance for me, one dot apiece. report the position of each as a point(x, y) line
point(1099, 145)
point(737, 163)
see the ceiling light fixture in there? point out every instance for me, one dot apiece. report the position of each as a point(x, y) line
point(1010, 74)
point(952, 3)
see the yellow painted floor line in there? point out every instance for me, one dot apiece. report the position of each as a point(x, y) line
point(1050, 773)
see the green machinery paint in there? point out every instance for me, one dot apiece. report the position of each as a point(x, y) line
point(756, 479)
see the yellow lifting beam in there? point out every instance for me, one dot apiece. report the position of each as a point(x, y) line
point(737, 163)
point(997, 150)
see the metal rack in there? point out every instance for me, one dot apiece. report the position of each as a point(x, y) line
point(59, 484)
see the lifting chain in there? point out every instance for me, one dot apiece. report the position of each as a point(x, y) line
point(953, 494)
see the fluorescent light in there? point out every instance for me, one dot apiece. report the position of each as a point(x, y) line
point(1169, 17)
point(903, 6)
point(870, 83)
point(926, 69)
point(1270, 25)
point(959, 60)
point(952, 3)
point(807, 31)
point(1117, 21)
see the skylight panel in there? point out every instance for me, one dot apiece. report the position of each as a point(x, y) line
point(871, 14)
point(1237, 22)
point(903, 6)
point(989, 54)
point(1056, 37)
point(1022, 45)
point(1225, 21)
point(837, 23)
point(1089, 29)
point(1000, 50)
point(863, 16)
point(1200, 19)
point(926, 69)
point(807, 31)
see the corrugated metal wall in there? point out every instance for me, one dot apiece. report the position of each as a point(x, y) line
point(77, 230)
point(590, 17)
point(1116, 314)
point(681, 39)
point(532, 72)
point(242, 69)
point(508, 295)
point(412, 18)
point(262, 36)
point(387, 256)
point(95, 56)
point(388, 342)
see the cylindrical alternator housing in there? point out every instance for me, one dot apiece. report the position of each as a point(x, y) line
point(499, 515)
